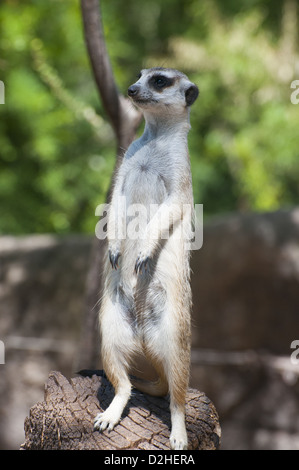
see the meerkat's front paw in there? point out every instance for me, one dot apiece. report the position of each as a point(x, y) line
point(141, 264)
point(114, 255)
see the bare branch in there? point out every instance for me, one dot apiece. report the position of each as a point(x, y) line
point(100, 62)
point(124, 121)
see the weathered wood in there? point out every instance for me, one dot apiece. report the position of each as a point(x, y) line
point(64, 420)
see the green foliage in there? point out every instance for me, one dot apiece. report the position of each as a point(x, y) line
point(57, 152)
point(247, 123)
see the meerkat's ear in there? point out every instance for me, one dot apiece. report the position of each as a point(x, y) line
point(191, 94)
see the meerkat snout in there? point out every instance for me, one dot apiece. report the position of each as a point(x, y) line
point(133, 90)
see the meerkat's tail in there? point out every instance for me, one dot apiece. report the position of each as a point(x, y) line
point(158, 388)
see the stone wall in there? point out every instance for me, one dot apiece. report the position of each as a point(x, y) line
point(42, 285)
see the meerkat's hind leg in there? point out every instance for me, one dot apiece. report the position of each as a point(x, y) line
point(178, 378)
point(178, 436)
point(177, 359)
point(117, 345)
point(175, 377)
point(178, 383)
point(112, 415)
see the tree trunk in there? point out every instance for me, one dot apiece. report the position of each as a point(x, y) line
point(125, 120)
point(64, 420)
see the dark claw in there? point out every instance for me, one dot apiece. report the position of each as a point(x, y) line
point(141, 265)
point(114, 259)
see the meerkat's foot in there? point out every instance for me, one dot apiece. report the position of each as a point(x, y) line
point(178, 440)
point(111, 416)
point(106, 420)
point(178, 435)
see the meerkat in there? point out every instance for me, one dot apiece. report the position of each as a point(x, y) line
point(146, 299)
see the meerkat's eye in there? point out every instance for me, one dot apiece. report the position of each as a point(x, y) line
point(159, 82)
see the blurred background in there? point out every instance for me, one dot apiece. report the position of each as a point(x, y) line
point(57, 154)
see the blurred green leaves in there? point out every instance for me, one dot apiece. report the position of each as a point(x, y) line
point(57, 151)
point(49, 127)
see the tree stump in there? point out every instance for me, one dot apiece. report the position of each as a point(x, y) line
point(64, 420)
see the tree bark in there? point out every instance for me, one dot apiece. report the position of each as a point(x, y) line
point(64, 420)
point(123, 117)
point(125, 120)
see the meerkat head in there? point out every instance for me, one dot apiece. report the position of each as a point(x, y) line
point(160, 89)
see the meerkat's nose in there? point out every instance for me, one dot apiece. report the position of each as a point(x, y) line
point(133, 90)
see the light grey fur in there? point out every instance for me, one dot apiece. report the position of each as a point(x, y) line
point(147, 297)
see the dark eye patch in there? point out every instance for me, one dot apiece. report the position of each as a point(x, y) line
point(159, 82)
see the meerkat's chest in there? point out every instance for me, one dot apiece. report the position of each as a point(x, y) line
point(146, 177)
